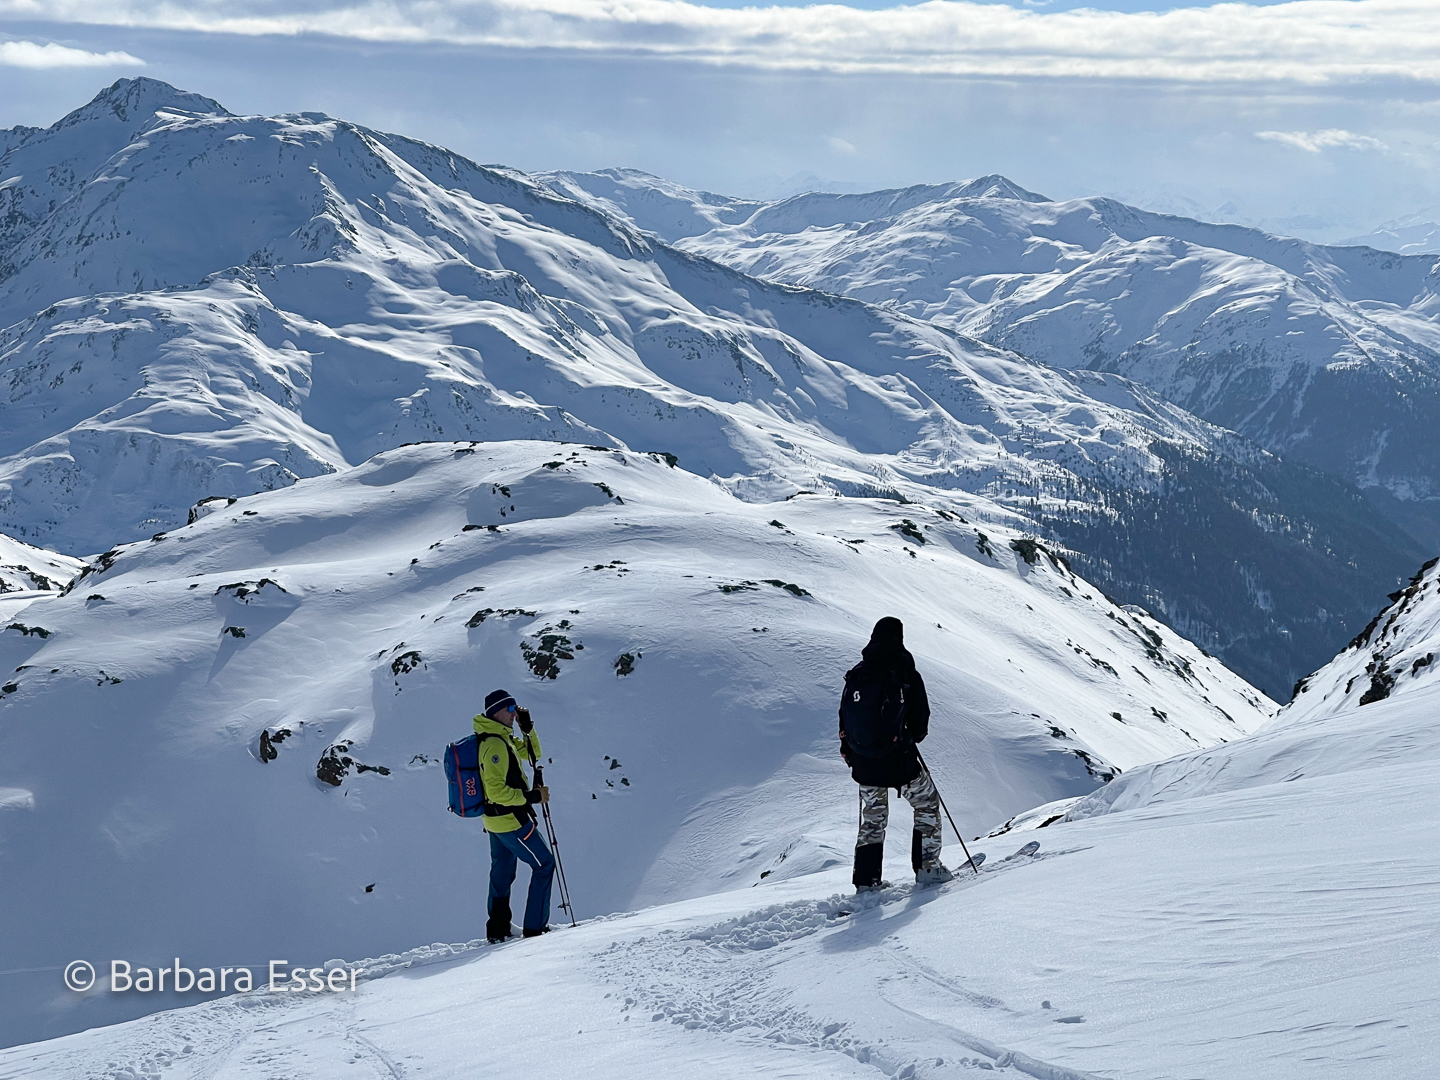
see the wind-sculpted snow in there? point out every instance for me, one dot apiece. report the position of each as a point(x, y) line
point(225, 304)
point(262, 698)
point(1327, 355)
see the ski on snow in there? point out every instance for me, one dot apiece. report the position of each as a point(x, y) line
point(978, 859)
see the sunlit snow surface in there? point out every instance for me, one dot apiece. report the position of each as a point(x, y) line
point(200, 304)
point(1258, 908)
point(1275, 927)
point(1265, 909)
point(25, 569)
point(135, 725)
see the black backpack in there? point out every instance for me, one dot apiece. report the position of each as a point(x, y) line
point(872, 711)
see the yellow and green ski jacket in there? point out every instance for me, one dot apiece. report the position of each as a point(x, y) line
point(503, 777)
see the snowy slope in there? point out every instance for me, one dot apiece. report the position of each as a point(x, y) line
point(24, 568)
point(1329, 355)
point(1331, 727)
point(1394, 655)
point(315, 293)
point(651, 203)
point(362, 291)
point(371, 610)
point(1265, 909)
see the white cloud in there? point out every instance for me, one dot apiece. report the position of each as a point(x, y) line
point(1326, 139)
point(1305, 41)
point(28, 54)
point(839, 145)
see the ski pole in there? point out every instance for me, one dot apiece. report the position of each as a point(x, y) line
point(565, 904)
point(947, 812)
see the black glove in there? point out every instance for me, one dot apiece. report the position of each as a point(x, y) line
point(538, 794)
point(845, 750)
point(523, 721)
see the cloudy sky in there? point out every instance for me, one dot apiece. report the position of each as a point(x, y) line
point(1319, 118)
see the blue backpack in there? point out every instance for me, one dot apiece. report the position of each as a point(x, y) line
point(462, 770)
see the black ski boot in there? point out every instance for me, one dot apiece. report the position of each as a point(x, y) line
point(497, 927)
point(868, 858)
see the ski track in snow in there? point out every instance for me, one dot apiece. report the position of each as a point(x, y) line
point(715, 979)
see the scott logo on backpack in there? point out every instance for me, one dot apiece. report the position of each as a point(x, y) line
point(873, 715)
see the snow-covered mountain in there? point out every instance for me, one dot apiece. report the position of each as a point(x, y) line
point(198, 304)
point(1240, 910)
point(379, 429)
point(165, 722)
point(1413, 234)
point(1331, 726)
point(1326, 355)
point(1394, 655)
point(24, 568)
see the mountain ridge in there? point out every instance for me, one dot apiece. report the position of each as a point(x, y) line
point(1072, 284)
point(364, 290)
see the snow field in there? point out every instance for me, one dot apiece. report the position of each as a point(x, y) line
point(25, 569)
point(223, 743)
point(342, 618)
point(1283, 930)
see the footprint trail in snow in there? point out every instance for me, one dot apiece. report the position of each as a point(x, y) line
point(727, 980)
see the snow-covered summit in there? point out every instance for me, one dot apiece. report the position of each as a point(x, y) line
point(673, 212)
point(43, 167)
point(1413, 234)
point(651, 203)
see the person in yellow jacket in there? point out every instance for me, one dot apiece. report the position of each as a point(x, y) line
point(509, 816)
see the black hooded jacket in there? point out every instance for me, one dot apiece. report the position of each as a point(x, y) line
point(887, 650)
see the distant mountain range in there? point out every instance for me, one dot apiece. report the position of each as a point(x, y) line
point(1414, 234)
point(198, 304)
point(1328, 356)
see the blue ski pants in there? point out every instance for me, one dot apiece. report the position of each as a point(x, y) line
point(526, 845)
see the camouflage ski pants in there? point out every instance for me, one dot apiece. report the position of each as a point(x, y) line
point(920, 793)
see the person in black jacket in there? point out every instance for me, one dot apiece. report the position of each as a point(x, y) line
point(884, 713)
